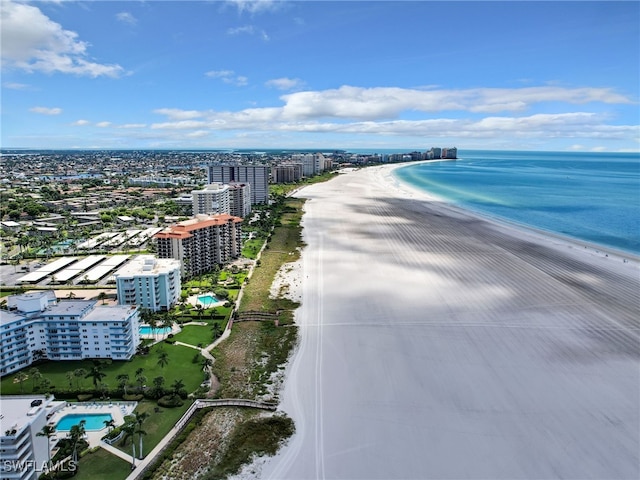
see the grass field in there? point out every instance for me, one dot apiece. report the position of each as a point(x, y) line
point(196, 334)
point(101, 465)
point(156, 426)
point(179, 367)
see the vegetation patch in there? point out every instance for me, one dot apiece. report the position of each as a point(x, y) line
point(254, 437)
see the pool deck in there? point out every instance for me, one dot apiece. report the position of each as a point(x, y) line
point(118, 410)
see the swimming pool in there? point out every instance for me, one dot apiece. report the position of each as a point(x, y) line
point(207, 300)
point(146, 330)
point(94, 421)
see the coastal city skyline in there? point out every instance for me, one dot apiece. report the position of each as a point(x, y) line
point(313, 75)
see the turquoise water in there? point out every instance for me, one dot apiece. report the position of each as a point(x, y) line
point(94, 421)
point(593, 197)
point(146, 330)
point(207, 300)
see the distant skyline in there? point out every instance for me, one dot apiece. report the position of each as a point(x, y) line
point(244, 74)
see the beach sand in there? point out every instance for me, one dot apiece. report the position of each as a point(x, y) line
point(437, 344)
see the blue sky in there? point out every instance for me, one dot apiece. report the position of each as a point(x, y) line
point(318, 75)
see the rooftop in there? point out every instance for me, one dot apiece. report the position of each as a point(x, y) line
point(18, 412)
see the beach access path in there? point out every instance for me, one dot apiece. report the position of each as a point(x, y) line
point(437, 344)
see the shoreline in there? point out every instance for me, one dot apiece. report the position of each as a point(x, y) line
point(555, 239)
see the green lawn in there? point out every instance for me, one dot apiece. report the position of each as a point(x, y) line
point(157, 425)
point(101, 465)
point(195, 334)
point(179, 367)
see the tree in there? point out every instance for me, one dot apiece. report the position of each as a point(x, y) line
point(139, 420)
point(35, 375)
point(163, 359)
point(177, 386)
point(123, 379)
point(102, 296)
point(140, 378)
point(47, 431)
point(110, 424)
point(129, 429)
point(70, 376)
point(71, 295)
point(76, 433)
point(79, 373)
point(20, 378)
point(217, 330)
point(96, 374)
point(158, 387)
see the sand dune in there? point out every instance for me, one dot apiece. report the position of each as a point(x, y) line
point(436, 344)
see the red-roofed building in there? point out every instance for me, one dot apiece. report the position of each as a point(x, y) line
point(202, 242)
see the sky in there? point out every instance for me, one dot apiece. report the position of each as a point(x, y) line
point(259, 74)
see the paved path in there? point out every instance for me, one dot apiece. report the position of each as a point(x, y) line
point(116, 451)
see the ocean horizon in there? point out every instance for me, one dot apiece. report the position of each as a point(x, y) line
point(587, 197)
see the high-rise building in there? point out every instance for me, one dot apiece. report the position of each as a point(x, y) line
point(24, 453)
point(239, 199)
point(213, 199)
point(37, 325)
point(287, 173)
point(255, 175)
point(149, 282)
point(202, 242)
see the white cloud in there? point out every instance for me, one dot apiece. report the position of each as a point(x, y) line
point(16, 86)
point(33, 42)
point(228, 76)
point(248, 30)
point(256, 6)
point(126, 17)
point(133, 125)
point(103, 124)
point(81, 123)
point(176, 114)
point(46, 110)
point(285, 83)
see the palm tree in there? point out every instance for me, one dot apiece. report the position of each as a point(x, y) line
point(140, 378)
point(110, 424)
point(139, 420)
point(123, 379)
point(75, 434)
point(71, 295)
point(70, 376)
point(102, 296)
point(177, 386)
point(47, 431)
point(217, 330)
point(79, 373)
point(35, 375)
point(163, 359)
point(96, 373)
point(129, 429)
point(20, 378)
point(200, 310)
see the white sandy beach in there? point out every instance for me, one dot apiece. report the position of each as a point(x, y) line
point(437, 344)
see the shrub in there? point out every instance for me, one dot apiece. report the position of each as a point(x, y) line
point(170, 401)
point(83, 397)
point(133, 397)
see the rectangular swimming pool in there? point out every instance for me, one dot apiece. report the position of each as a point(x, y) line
point(94, 421)
point(146, 330)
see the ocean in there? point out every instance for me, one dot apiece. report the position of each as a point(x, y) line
point(589, 197)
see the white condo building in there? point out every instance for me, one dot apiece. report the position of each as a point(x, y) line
point(24, 453)
point(213, 199)
point(149, 282)
point(37, 325)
